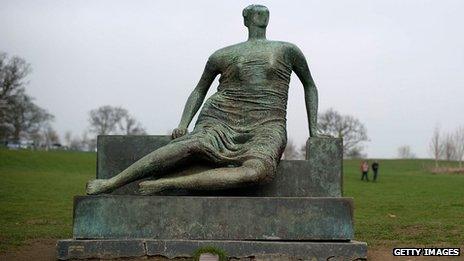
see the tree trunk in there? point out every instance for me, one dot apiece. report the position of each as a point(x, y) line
point(16, 132)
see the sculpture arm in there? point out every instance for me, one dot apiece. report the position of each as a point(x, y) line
point(300, 67)
point(197, 97)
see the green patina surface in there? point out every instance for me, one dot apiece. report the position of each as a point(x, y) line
point(325, 155)
point(319, 176)
point(237, 250)
point(241, 129)
point(117, 152)
point(215, 218)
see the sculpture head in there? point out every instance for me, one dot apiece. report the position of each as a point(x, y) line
point(256, 15)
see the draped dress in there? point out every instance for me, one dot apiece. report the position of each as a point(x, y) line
point(246, 118)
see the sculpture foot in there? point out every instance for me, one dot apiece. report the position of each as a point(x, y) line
point(97, 186)
point(151, 187)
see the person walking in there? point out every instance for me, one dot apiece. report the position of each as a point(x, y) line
point(364, 170)
point(375, 169)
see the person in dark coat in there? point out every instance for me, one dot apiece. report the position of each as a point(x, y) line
point(375, 169)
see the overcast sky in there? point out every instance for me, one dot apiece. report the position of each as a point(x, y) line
point(398, 66)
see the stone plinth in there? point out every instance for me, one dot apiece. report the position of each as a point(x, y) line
point(212, 218)
point(80, 249)
point(319, 176)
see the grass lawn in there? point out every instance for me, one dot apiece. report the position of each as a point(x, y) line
point(407, 207)
point(36, 193)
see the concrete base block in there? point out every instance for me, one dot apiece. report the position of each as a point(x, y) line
point(251, 250)
point(212, 218)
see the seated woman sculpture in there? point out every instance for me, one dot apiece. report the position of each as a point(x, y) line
point(241, 129)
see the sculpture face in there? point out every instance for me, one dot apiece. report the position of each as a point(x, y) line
point(256, 15)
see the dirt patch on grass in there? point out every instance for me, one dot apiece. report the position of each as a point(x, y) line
point(413, 230)
point(39, 249)
point(447, 170)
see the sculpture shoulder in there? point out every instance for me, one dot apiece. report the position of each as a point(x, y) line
point(286, 46)
point(292, 52)
point(226, 50)
point(219, 55)
point(223, 55)
point(290, 48)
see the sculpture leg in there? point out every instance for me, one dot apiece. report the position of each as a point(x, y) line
point(161, 159)
point(251, 172)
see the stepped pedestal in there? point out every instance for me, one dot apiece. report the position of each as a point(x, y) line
point(300, 214)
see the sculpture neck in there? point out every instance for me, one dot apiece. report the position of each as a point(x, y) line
point(256, 33)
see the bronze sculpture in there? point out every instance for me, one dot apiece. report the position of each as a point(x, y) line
point(241, 129)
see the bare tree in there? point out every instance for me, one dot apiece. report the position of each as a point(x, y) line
point(129, 125)
point(405, 152)
point(45, 138)
point(51, 137)
point(24, 118)
point(458, 139)
point(104, 119)
point(19, 115)
point(290, 151)
point(436, 146)
point(113, 120)
point(355, 153)
point(347, 127)
point(68, 138)
point(82, 143)
point(88, 143)
point(449, 148)
point(13, 72)
point(75, 144)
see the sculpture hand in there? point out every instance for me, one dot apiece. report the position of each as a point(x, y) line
point(179, 132)
point(318, 134)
